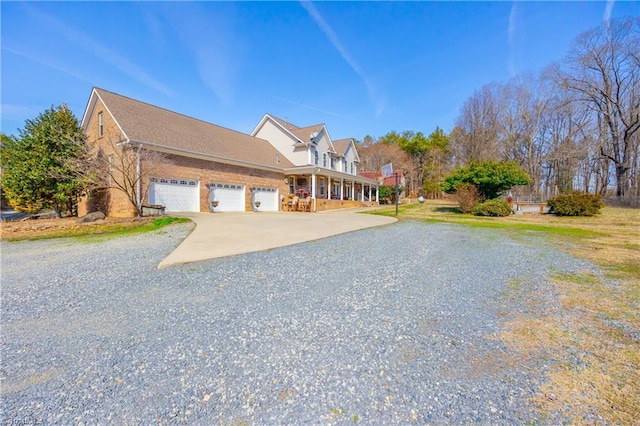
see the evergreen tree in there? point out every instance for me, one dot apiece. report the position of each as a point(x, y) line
point(37, 166)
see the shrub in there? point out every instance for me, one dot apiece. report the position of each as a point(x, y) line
point(495, 207)
point(467, 197)
point(489, 177)
point(575, 204)
point(386, 193)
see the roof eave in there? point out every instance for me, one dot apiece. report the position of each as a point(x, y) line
point(331, 173)
point(209, 157)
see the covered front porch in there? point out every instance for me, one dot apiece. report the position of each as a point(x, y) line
point(326, 189)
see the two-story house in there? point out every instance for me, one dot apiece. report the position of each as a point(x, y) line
point(204, 163)
point(325, 169)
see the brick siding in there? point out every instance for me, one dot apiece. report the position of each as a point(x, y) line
point(208, 171)
point(115, 203)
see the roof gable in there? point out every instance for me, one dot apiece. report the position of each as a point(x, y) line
point(305, 134)
point(94, 98)
point(149, 124)
point(343, 145)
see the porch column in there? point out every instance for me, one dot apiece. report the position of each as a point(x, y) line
point(377, 194)
point(313, 190)
point(341, 188)
point(362, 192)
point(353, 190)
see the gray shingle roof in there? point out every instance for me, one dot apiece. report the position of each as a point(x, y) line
point(144, 122)
point(341, 145)
point(302, 133)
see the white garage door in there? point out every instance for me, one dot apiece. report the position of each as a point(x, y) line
point(268, 198)
point(176, 195)
point(230, 197)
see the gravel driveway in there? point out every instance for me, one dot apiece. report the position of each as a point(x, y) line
point(391, 325)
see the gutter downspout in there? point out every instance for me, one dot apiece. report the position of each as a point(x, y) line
point(138, 181)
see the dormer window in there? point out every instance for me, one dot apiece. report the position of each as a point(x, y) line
point(100, 124)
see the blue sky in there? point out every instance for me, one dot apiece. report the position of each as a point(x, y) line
point(360, 68)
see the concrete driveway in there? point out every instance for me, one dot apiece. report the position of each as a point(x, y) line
point(228, 234)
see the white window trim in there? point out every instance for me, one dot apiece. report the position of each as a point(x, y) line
point(100, 124)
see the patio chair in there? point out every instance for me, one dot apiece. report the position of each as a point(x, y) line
point(305, 204)
point(286, 202)
point(292, 205)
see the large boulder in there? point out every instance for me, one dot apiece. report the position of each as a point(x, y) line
point(91, 217)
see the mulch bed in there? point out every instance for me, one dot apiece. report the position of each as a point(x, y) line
point(34, 228)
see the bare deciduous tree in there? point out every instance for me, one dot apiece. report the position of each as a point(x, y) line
point(475, 136)
point(575, 127)
point(375, 154)
point(524, 102)
point(604, 71)
point(116, 165)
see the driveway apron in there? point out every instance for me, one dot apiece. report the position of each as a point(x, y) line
point(228, 234)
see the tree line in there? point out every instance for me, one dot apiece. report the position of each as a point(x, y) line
point(575, 126)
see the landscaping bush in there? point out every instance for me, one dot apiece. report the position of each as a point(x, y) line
point(467, 197)
point(575, 204)
point(489, 177)
point(495, 207)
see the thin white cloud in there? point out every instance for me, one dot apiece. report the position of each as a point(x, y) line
point(103, 53)
point(215, 47)
point(511, 39)
point(48, 63)
point(335, 41)
point(607, 10)
point(335, 114)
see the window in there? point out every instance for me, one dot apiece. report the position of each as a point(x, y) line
point(333, 163)
point(100, 124)
point(324, 160)
point(322, 187)
point(315, 154)
point(292, 187)
point(344, 166)
point(352, 168)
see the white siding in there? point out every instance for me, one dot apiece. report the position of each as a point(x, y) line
point(324, 147)
point(283, 142)
point(350, 156)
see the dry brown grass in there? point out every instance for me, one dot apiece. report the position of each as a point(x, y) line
point(592, 342)
point(66, 227)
